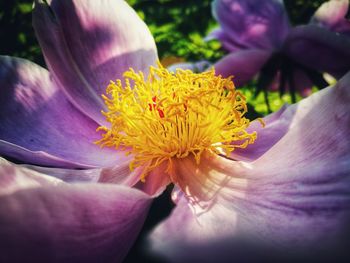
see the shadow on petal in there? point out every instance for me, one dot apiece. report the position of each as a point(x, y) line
point(48, 220)
point(79, 37)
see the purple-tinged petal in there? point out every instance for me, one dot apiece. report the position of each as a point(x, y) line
point(319, 48)
point(276, 126)
point(120, 174)
point(225, 40)
point(68, 175)
point(155, 183)
point(285, 217)
point(38, 157)
point(332, 15)
point(253, 23)
point(88, 43)
point(176, 194)
point(294, 200)
point(15, 178)
point(49, 221)
point(199, 66)
point(242, 65)
point(40, 126)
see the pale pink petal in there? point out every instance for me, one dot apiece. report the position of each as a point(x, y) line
point(276, 126)
point(120, 174)
point(68, 175)
point(155, 182)
point(293, 201)
point(332, 15)
point(87, 43)
point(40, 126)
point(46, 220)
point(15, 178)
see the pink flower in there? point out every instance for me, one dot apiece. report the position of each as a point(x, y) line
point(259, 38)
point(69, 200)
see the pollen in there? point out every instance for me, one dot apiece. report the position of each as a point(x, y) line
point(166, 115)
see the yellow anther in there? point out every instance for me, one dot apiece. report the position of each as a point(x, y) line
point(172, 115)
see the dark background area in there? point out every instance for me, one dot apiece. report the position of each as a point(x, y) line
point(177, 26)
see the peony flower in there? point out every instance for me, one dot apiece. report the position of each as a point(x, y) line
point(288, 193)
point(70, 200)
point(259, 38)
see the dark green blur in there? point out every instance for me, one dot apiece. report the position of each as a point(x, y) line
point(177, 26)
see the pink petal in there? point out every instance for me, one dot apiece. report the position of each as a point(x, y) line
point(243, 65)
point(294, 199)
point(155, 183)
point(40, 126)
point(120, 174)
point(13, 178)
point(276, 126)
point(68, 175)
point(88, 43)
point(46, 220)
point(332, 15)
point(253, 23)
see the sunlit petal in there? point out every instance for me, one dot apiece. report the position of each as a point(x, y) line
point(40, 126)
point(48, 220)
point(88, 43)
point(294, 199)
point(332, 14)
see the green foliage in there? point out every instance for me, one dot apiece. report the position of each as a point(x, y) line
point(180, 26)
point(300, 11)
point(259, 102)
point(177, 26)
point(16, 31)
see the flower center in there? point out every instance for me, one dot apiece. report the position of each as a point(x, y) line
point(173, 115)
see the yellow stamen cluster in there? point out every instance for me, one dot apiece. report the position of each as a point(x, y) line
point(172, 115)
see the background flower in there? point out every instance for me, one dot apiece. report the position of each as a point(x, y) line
point(260, 39)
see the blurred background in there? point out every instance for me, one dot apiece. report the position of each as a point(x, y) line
point(178, 28)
